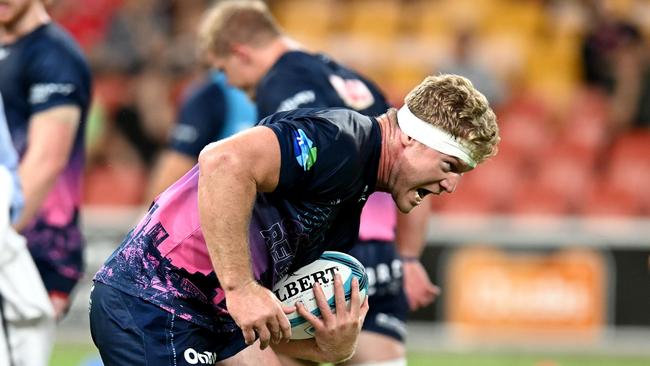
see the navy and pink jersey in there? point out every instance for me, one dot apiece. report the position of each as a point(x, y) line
point(39, 71)
point(304, 80)
point(329, 167)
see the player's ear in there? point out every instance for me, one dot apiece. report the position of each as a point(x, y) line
point(405, 139)
point(242, 51)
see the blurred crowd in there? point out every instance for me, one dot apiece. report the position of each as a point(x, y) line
point(570, 81)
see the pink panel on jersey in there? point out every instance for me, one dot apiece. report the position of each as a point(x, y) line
point(179, 215)
point(378, 218)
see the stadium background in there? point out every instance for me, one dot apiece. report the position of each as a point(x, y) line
point(542, 253)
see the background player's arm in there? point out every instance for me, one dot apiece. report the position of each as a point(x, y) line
point(410, 238)
point(49, 142)
point(171, 166)
point(232, 171)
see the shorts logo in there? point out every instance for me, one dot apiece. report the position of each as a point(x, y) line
point(205, 358)
point(304, 149)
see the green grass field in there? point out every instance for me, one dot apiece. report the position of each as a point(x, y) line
point(85, 355)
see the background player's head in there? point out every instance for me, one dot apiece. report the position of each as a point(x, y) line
point(447, 128)
point(236, 36)
point(13, 12)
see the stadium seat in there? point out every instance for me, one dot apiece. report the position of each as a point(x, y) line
point(605, 200)
point(628, 167)
point(310, 22)
point(566, 172)
point(536, 199)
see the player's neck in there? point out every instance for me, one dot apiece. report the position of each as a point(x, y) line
point(276, 49)
point(32, 18)
point(389, 136)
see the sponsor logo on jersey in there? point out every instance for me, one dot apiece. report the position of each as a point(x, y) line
point(293, 102)
point(194, 357)
point(40, 93)
point(304, 149)
point(3, 53)
point(354, 92)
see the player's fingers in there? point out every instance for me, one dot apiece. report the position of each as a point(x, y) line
point(339, 294)
point(249, 335)
point(288, 309)
point(284, 327)
point(355, 299)
point(364, 309)
point(311, 318)
point(265, 336)
point(274, 328)
point(326, 312)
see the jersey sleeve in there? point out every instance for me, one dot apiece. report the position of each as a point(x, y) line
point(199, 121)
point(57, 77)
point(285, 91)
point(317, 159)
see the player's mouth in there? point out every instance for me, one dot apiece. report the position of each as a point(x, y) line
point(420, 193)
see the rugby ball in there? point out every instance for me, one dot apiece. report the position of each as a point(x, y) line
point(297, 286)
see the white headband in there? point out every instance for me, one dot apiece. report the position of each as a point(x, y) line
point(432, 136)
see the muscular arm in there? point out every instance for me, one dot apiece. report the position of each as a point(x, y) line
point(49, 142)
point(171, 166)
point(232, 171)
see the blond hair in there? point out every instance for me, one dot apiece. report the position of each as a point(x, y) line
point(241, 21)
point(451, 102)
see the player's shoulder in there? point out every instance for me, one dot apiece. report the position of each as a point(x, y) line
point(52, 41)
point(341, 120)
point(294, 65)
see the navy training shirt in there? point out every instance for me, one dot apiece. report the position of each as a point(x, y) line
point(41, 70)
point(213, 110)
point(304, 80)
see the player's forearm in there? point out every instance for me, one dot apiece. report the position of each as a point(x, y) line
point(307, 349)
point(37, 175)
point(411, 230)
point(170, 167)
point(226, 195)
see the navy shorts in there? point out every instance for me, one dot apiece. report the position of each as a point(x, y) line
point(388, 304)
point(130, 331)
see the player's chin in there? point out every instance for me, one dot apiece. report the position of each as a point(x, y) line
point(405, 206)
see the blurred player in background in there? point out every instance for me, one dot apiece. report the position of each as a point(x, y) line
point(26, 314)
point(46, 84)
point(247, 44)
point(214, 110)
point(193, 276)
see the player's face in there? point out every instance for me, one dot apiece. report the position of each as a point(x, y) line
point(12, 10)
point(421, 171)
point(238, 72)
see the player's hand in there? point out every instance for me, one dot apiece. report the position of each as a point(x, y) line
point(336, 333)
point(256, 310)
point(60, 304)
point(420, 291)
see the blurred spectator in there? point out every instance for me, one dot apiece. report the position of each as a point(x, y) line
point(615, 60)
point(465, 62)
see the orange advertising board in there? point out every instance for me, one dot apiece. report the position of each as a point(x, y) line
point(495, 295)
